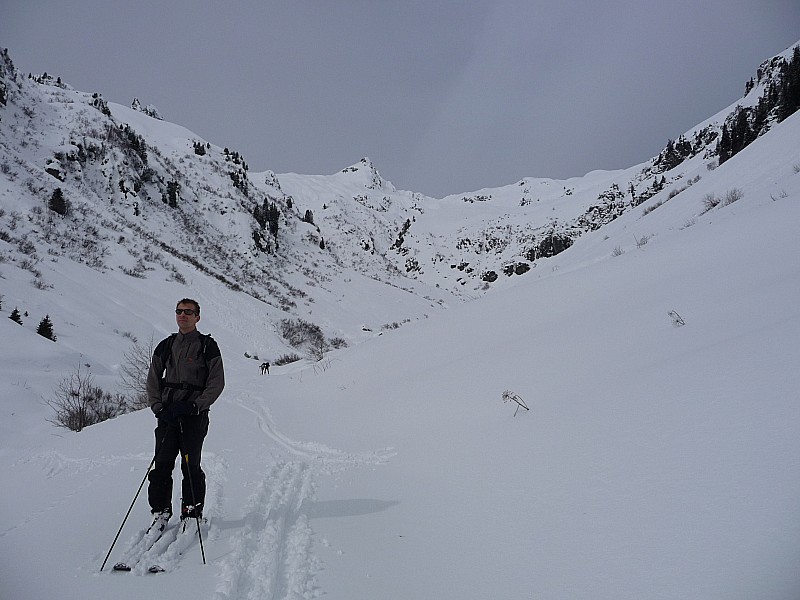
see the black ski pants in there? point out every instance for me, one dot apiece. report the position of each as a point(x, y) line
point(184, 438)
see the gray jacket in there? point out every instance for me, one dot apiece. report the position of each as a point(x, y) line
point(187, 375)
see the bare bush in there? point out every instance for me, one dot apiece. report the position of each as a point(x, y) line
point(732, 195)
point(30, 265)
point(317, 349)
point(176, 275)
point(41, 284)
point(133, 371)
point(298, 332)
point(338, 343)
point(139, 270)
point(286, 359)
point(27, 247)
point(127, 334)
point(78, 403)
point(648, 209)
point(710, 201)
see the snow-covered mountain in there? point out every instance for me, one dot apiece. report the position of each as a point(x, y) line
point(177, 204)
point(647, 317)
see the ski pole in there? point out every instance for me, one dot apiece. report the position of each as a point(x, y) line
point(194, 500)
point(130, 508)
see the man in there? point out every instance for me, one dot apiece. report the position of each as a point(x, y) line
point(184, 380)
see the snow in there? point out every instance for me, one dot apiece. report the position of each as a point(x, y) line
point(657, 461)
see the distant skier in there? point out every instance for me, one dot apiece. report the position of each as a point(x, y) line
point(265, 368)
point(185, 378)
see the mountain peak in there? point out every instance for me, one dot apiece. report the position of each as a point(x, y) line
point(372, 179)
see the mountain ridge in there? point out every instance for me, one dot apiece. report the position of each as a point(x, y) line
point(179, 204)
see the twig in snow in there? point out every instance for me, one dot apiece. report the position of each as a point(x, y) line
point(509, 396)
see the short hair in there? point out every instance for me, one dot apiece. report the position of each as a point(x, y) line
point(190, 301)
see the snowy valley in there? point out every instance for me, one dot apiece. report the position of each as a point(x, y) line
point(647, 317)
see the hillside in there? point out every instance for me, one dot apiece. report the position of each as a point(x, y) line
point(81, 175)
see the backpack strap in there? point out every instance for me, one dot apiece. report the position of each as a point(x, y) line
point(208, 350)
point(164, 349)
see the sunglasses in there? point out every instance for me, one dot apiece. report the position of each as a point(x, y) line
point(185, 311)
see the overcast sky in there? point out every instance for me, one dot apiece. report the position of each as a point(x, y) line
point(444, 96)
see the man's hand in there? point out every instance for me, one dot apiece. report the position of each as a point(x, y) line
point(182, 409)
point(174, 411)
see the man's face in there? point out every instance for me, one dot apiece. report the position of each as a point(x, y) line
point(187, 322)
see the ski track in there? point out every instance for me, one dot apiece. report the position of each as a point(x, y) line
point(328, 459)
point(272, 557)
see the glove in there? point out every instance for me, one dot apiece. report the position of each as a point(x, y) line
point(174, 411)
point(182, 409)
point(165, 414)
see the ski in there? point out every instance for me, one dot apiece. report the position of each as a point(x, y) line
point(125, 567)
point(149, 544)
point(181, 537)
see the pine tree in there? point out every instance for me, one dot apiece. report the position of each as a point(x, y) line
point(669, 157)
point(790, 90)
point(724, 145)
point(273, 219)
point(683, 148)
point(45, 328)
point(58, 203)
point(760, 115)
point(173, 192)
point(15, 316)
point(741, 134)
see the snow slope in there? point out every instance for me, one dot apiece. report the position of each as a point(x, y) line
point(657, 461)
